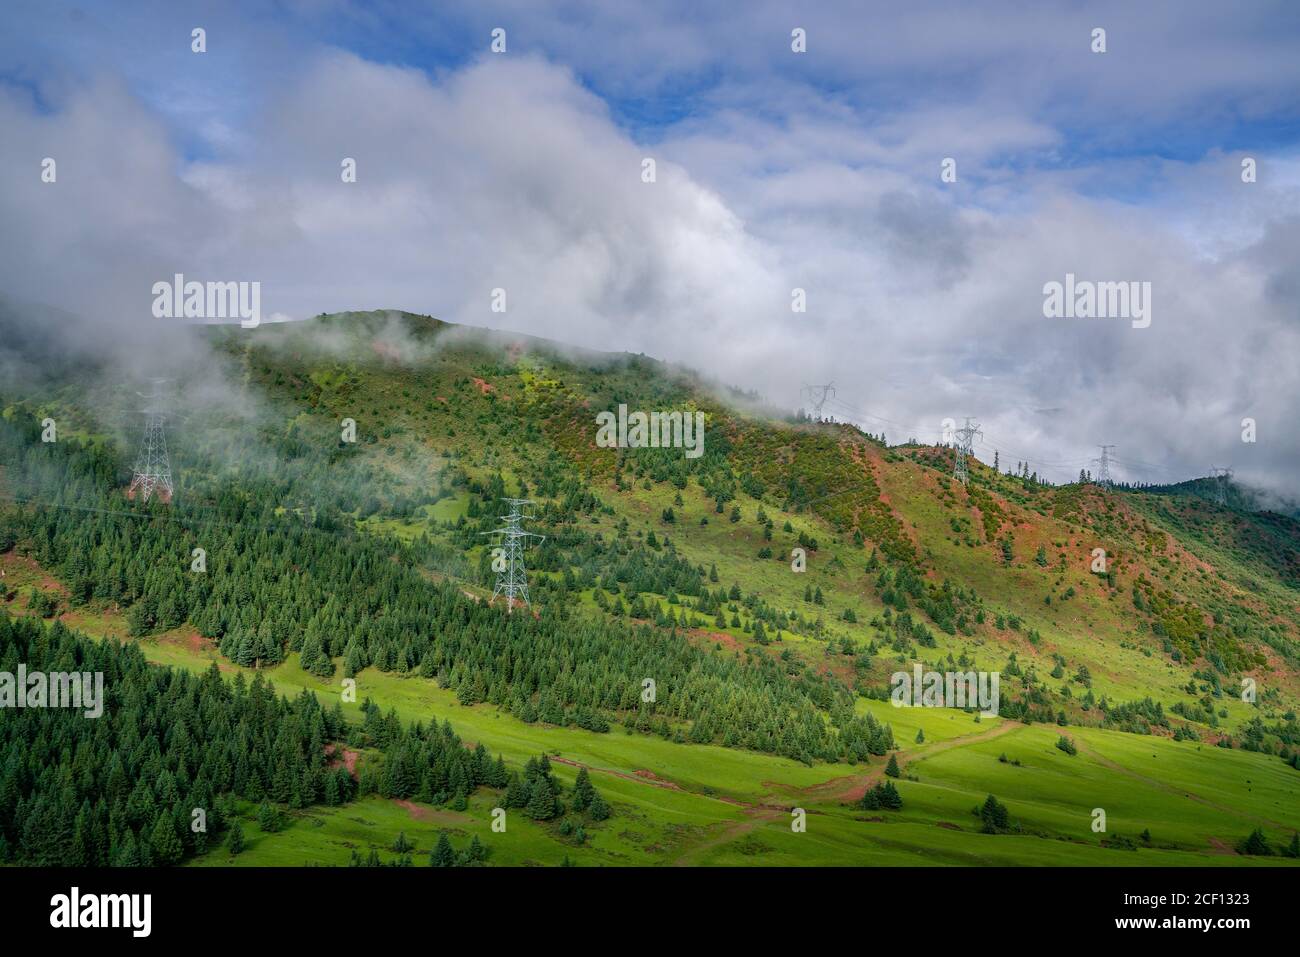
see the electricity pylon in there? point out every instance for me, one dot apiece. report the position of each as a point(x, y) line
point(152, 474)
point(512, 577)
point(1222, 476)
point(1103, 466)
point(964, 438)
point(818, 394)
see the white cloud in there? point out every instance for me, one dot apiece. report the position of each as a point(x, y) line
point(924, 300)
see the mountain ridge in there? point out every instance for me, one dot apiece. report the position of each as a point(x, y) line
point(644, 547)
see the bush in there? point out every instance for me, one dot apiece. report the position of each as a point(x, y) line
point(1255, 844)
point(882, 797)
point(994, 816)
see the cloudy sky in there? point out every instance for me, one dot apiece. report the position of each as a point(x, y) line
point(775, 170)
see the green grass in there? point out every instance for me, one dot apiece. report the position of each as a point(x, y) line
point(728, 806)
point(1050, 794)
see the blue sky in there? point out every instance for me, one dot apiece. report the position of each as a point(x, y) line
point(776, 170)
point(1177, 81)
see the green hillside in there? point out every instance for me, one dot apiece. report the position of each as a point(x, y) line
point(768, 589)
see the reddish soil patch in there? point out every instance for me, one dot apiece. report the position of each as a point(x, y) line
point(78, 621)
point(349, 760)
point(441, 398)
point(1220, 847)
point(162, 495)
point(483, 386)
point(729, 642)
point(416, 811)
point(45, 583)
point(188, 637)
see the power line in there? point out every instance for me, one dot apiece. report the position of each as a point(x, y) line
point(915, 430)
point(992, 442)
point(818, 395)
point(181, 517)
point(1148, 466)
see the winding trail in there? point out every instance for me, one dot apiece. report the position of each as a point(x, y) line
point(643, 777)
point(845, 790)
point(853, 786)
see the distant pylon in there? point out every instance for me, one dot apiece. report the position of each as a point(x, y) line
point(152, 474)
point(818, 394)
point(1103, 466)
point(512, 577)
point(964, 437)
point(1222, 476)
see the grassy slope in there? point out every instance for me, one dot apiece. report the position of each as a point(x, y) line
point(730, 806)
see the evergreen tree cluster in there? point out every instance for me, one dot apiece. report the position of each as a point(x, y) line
point(539, 795)
point(274, 585)
point(994, 816)
point(121, 789)
point(883, 796)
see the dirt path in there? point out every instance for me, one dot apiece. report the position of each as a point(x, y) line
point(643, 777)
point(429, 815)
point(846, 789)
point(853, 786)
point(728, 834)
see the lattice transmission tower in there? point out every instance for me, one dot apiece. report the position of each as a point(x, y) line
point(965, 437)
point(1103, 466)
point(512, 577)
point(152, 474)
point(817, 395)
point(1222, 478)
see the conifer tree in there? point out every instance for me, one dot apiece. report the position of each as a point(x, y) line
point(235, 839)
point(994, 816)
point(442, 854)
point(582, 791)
point(541, 803)
point(1255, 844)
point(167, 847)
point(477, 852)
